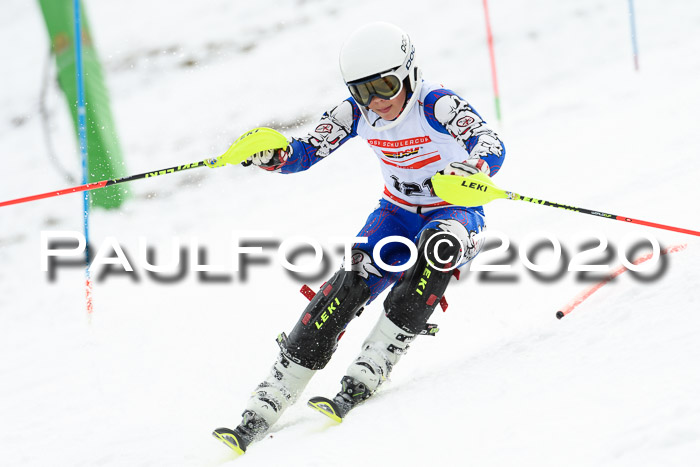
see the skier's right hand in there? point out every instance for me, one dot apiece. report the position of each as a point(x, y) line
point(467, 168)
point(270, 159)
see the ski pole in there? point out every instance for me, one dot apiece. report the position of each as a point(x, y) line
point(479, 189)
point(256, 140)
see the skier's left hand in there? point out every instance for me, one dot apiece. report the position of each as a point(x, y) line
point(467, 168)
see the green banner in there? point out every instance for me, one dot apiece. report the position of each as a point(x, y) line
point(104, 152)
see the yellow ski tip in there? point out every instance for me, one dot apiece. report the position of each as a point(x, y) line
point(475, 190)
point(325, 407)
point(227, 437)
point(255, 140)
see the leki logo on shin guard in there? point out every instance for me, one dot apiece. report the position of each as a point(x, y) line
point(423, 283)
point(327, 313)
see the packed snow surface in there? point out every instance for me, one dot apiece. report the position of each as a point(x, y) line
point(161, 364)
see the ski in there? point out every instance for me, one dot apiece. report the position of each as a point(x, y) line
point(352, 394)
point(231, 439)
point(252, 428)
point(327, 407)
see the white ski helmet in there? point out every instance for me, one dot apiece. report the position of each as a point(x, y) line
point(379, 60)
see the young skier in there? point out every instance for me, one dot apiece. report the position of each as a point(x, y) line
point(416, 129)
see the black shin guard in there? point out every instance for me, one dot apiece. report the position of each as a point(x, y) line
point(315, 336)
point(415, 296)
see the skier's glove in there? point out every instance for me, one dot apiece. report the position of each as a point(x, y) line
point(467, 168)
point(271, 159)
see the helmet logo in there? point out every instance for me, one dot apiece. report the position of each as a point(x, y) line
point(410, 58)
point(404, 43)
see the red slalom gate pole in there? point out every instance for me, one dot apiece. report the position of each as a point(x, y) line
point(587, 293)
point(633, 31)
point(492, 55)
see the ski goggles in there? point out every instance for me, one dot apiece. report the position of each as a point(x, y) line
point(386, 86)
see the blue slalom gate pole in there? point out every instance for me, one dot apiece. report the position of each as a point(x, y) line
point(82, 139)
point(633, 29)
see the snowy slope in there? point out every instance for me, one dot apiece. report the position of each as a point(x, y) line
point(505, 383)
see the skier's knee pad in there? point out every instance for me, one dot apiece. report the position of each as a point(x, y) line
point(315, 336)
point(414, 297)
